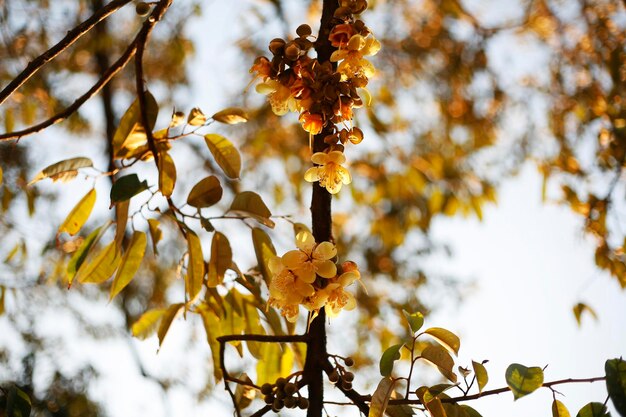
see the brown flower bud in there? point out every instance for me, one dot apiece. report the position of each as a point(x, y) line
point(277, 45)
point(292, 51)
point(304, 30)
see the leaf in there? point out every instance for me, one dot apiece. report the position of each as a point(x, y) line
point(559, 409)
point(17, 403)
point(231, 116)
point(252, 325)
point(593, 410)
point(167, 174)
point(2, 294)
point(196, 117)
point(98, 267)
point(446, 338)
point(213, 329)
point(268, 368)
point(155, 234)
point(380, 397)
point(401, 410)
point(221, 259)
point(79, 214)
point(264, 251)
point(440, 357)
point(121, 218)
point(168, 317)
point(523, 380)
point(65, 169)
point(1, 176)
point(225, 154)
point(388, 358)
point(147, 323)
point(415, 320)
point(205, 193)
point(195, 266)
point(127, 187)
point(130, 263)
point(244, 394)
point(481, 375)
point(436, 408)
point(579, 309)
point(454, 410)
point(616, 383)
point(470, 411)
point(81, 253)
point(130, 133)
point(249, 203)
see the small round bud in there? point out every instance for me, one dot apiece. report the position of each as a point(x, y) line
point(348, 376)
point(292, 51)
point(269, 399)
point(303, 403)
point(278, 404)
point(349, 361)
point(266, 389)
point(280, 383)
point(291, 388)
point(277, 45)
point(291, 402)
point(304, 30)
point(346, 385)
point(142, 8)
point(334, 376)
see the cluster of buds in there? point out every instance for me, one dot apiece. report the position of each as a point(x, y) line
point(324, 94)
point(308, 276)
point(283, 394)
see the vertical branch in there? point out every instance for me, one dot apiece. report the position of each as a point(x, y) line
point(322, 231)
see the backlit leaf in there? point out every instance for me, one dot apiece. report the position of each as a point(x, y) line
point(127, 187)
point(121, 218)
point(213, 329)
point(168, 317)
point(130, 133)
point(454, 410)
point(250, 204)
point(616, 383)
point(593, 410)
point(81, 253)
point(380, 397)
point(205, 193)
point(264, 251)
point(559, 409)
point(581, 308)
point(435, 407)
point(388, 358)
point(79, 214)
point(470, 411)
point(155, 233)
point(195, 266)
point(130, 262)
point(523, 380)
point(244, 394)
point(446, 338)
point(268, 368)
point(481, 375)
point(225, 154)
point(146, 325)
point(440, 357)
point(167, 174)
point(99, 266)
point(231, 116)
point(221, 259)
point(196, 117)
point(415, 320)
point(62, 169)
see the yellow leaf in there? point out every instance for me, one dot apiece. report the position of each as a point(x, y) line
point(130, 263)
point(481, 375)
point(196, 117)
point(167, 174)
point(205, 193)
point(130, 133)
point(79, 214)
point(99, 267)
point(446, 338)
point(264, 251)
point(440, 357)
point(221, 259)
point(213, 329)
point(121, 218)
point(244, 394)
point(155, 233)
point(381, 396)
point(65, 169)
point(1, 176)
point(559, 409)
point(147, 323)
point(225, 154)
point(195, 266)
point(81, 253)
point(250, 204)
point(168, 317)
point(231, 116)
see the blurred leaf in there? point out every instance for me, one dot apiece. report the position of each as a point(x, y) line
point(231, 116)
point(213, 329)
point(1, 176)
point(244, 394)
point(167, 174)
point(440, 357)
point(268, 368)
point(446, 338)
point(98, 267)
point(2, 294)
point(593, 410)
point(250, 204)
point(195, 266)
point(127, 187)
point(130, 263)
point(523, 380)
point(481, 375)
point(146, 325)
point(221, 259)
point(79, 214)
point(454, 410)
point(225, 154)
point(415, 320)
point(61, 170)
point(253, 326)
point(264, 251)
point(388, 358)
point(81, 253)
point(130, 133)
point(196, 117)
point(579, 309)
point(205, 193)
point(166, 322)
point(559, 409)
point(380, 397)
point(17, 403)
point(155, 234)
point(616, 383)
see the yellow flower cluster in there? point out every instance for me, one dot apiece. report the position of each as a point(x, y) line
point(323, 95)
point(308, 276)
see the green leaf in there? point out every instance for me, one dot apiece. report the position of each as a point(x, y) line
point(440, 357)
point(221, 259)
point(195, 266)
point(249, 203)
point(244, 394)
point(435, 390)
point(264, 251)
point(523, 380)
point(99, 266)
point(205, 193)
point(401, 410)
point(616, 383)
point(155, 234)
point(62, 170)
point(213, 329)
point(581, 308)
point(127, 187)
point(435, 407)
point(388, 358)
point(415, 320)
point(593, 410)
point(225, 154)
point(559, 409)
point(454, 410)
point(168, 317)
point(446, 338)
point(130, 263)
point(481, 375)
point(167, 174)
point(146, 325)
point(17, 403)
point(130, 133)
point(380, 397)
point(81, 253)
point(79, 214)
point(470, 411)
point(231, 116)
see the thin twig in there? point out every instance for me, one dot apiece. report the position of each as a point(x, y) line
point(71, 37)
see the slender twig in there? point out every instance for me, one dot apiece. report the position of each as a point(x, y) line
point(71, 37)
point(262, 411)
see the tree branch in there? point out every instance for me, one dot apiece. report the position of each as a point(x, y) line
point(71, 37)
point(355, 397)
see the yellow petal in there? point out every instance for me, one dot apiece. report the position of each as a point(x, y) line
point(333, 188)
point(351, 302)
point(372, 46)
point(356, 42)
point(319, 158)
point(275, 265)
point(294, 259)
point(347, 278)
point(324, 251)
point(344, 174)
point(312, 174)
point(304, 289)
point(306, 273)
point(305, 241)
point(338, 55)
point(325, 269)
point(265, 88)
point(336, 157)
